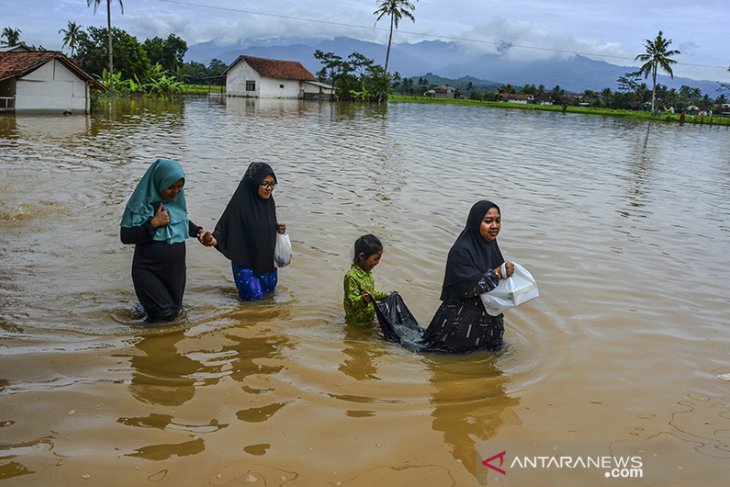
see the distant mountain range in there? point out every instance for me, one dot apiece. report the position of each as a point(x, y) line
point(448, 60)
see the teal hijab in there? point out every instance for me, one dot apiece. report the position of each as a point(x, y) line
point(143, 203)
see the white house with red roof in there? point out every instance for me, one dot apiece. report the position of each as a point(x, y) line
point(43, 82)
point(256, 77)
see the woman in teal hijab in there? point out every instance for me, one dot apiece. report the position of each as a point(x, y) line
point(156, 221)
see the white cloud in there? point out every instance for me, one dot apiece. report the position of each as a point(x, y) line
point(526, 41)
point(688, 46)
point(160, 25)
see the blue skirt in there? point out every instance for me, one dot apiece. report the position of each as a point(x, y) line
point(251, 285)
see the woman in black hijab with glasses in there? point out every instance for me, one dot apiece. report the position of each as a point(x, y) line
point(246, 233)
point(473, 267)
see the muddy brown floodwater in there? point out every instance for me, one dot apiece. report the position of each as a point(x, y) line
point(624, 224)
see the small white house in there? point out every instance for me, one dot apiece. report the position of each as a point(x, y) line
point(256, 77)
point(43, 82)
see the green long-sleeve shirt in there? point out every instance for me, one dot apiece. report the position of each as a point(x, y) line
point(356, 283)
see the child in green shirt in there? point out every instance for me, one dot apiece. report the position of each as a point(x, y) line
point(359, 283)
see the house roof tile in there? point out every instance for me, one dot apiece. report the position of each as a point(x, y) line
point(272, 68)
point(16, 64)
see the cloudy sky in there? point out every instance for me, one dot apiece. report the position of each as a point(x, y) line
point(608, 30)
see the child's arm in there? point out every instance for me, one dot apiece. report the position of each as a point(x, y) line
point(379, 295)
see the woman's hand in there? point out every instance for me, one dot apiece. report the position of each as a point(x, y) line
point(207, 238)
point(161, 217)
point(281, 228)
point(509, 268)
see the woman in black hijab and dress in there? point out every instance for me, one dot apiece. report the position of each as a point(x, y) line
point(473, 267)
point(461, 323)
point(246, 233)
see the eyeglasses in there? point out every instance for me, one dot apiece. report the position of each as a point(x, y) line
point(269, 186)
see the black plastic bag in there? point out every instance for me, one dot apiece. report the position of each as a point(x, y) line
point(398, 323)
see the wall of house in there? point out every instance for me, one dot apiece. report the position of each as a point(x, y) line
point(280, 88)
point(236, 78)
point(52, 88)
point(265, 87)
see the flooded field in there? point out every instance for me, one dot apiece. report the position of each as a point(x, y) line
point(624, 224)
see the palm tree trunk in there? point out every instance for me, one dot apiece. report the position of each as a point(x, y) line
point(390, 38)
point(653, 91)
point(111, 57)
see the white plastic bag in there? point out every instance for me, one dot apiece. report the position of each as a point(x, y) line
point(515, 290)
point(282, 250)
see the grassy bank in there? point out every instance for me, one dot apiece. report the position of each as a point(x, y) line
point(202, 89)
point(639, 115)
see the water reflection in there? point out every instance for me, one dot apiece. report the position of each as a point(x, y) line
point(469, 402)
point(362, 346)
point(162, 375)
point(256, 356)
point(13, 469)
point(164, 451)
point(172, 366)
point(123, 116)
point(640, 162)
point(167, 422)
point(11, 451)
point(51, 128)
point(259, 414)
point(130, 109)
point(8, 127)
point(262, 106)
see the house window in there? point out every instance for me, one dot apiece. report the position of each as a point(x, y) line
point(281, 86)
point(250, 86)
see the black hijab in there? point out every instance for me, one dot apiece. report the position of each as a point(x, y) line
point(246, 231)
point(470, 256)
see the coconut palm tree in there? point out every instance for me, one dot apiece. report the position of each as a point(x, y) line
point(71, 36)
point(657, 56)
point(12, 36)
point(396, 10)
point(109, 29)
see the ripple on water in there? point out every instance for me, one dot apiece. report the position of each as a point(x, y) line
point(632, 307)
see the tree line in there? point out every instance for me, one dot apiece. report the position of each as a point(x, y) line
point(355, 78)
point(632, 94)
point(153, 66)
point(157, 60)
